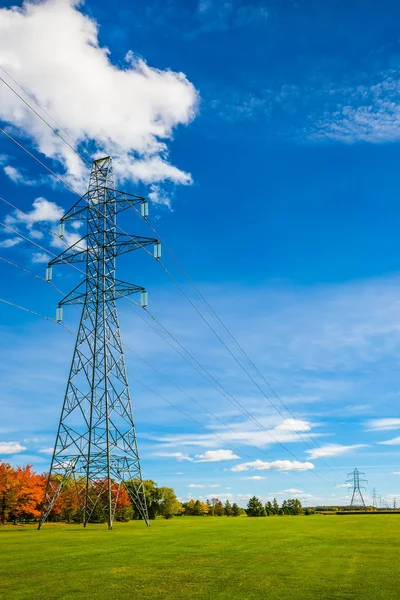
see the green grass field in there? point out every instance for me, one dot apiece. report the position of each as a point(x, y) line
point(276, 558)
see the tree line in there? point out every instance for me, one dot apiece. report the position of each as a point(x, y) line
point(22, 493)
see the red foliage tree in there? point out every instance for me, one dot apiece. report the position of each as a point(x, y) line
point(21, 492)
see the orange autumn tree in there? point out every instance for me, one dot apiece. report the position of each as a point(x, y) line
point(21, 492)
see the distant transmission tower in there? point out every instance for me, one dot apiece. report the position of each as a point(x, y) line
point(96, 443)
point(374, 498)
point(354, 484)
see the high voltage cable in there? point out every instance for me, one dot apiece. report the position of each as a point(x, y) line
point(134, 378)
point(230, 352)
point(219, 320)
point(44, 120)
point(21, 268)
point(28, 310)
point(237, 433)
point(39, 161)
point(39, 106)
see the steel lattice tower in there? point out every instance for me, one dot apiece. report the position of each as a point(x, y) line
point(96, 442)
point(354, 484)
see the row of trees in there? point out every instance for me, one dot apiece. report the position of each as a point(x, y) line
point(211, 508)
point(22, 491)
point(255, 508)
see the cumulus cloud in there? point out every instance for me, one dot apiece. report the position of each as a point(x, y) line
point(332, 450)
point(276, 465)
point(11, 448)
point(127, 112)
point(196, 485)
point(383, 424)
point(255, 477)
point(216, 456)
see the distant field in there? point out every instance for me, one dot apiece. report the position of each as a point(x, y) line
point(276, 558)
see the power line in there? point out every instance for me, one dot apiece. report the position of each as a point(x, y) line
point(238, 345)
point(32, 312)
point(35, 275)
point(44, 120)
point(39, 161)
point(37, 104)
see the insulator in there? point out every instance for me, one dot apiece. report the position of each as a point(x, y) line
point(144, 209)
point(59, 314)
point(144, 298)
point(157, 251)
point(49, 273)
point(61, 229)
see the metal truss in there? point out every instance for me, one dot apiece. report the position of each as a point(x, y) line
point(96, 444)
point(357, 498)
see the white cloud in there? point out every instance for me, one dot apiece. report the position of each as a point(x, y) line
point(368, 113)
point(47, 450)
point(128, 113)
point(42, 210)
point(14, 174)
point(383, 424)
point(216, 456)
point(177, 455)
point(332, 450)
point(396, 473)
point(276, 465)
point(196, 485)
point(393, 442)
point(11, 448)
point(255, 477)
point(10, 242)
point(40, 257)
point(290, 491)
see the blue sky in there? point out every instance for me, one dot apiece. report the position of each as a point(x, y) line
point(267, 136)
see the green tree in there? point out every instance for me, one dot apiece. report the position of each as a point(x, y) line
point(275, 507)
point(218, 507)
point(228, 509)
point(269, 508)
point(236, 511)
point(255, 508)
point(169, 505)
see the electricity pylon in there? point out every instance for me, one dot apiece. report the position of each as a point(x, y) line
point(374, 498)
point(96, 444)
point(354, 484)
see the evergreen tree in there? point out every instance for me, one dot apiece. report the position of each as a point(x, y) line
point(255, 508)
point(269, 509)
point(275, 507)
point(235, 510)
point(228, 509)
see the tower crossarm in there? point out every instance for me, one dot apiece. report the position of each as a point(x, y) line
point(122, 200)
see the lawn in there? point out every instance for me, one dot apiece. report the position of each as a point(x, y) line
point(275, 558)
